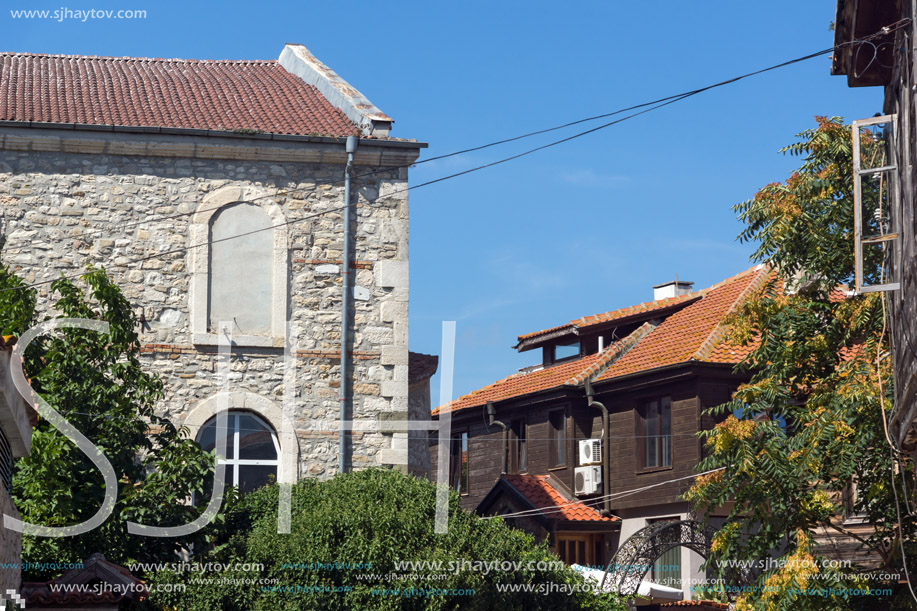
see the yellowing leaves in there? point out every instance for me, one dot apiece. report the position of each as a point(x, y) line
point(730, 431)
point(800, 568)
point(697, 490)
point(723, 536)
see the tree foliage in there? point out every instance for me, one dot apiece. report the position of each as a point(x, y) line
point(97, 383)
point(809, 424)
point(374, 517)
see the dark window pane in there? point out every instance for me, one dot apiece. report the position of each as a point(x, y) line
point(207, 435)
point(665, 424)
point(665, 432)
point(252, 477)
point(255, 439)
point(563, 351)
point(523, 466)
point(651, 451)
point(455, 464)
point(558, 438)
point(201, 499)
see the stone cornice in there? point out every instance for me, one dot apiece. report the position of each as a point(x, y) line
point(270, 148)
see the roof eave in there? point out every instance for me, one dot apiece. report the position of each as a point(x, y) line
point(855, 19)
point(210, 133)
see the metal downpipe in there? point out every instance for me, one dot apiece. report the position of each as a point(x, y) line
point(491, 419)
point(606, 462)
point(346, 294)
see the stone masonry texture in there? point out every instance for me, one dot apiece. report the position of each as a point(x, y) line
point(131, 214)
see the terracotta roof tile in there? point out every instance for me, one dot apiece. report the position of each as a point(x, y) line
point(140, 92)
point(570, 373)
point(596, 319)
point(694, 333)
point(543, 495)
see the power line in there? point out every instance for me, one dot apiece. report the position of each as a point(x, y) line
point(658, 102)
point(615, 495)
point(647, 107)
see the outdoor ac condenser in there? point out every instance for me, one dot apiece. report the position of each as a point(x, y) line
point(587, 480)
point(590, 452)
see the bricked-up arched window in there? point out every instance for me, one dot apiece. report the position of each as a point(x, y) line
point(252, 449)
point(239, 268)
point(240, 282)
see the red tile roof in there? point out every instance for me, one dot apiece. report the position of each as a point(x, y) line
point(570, 373)
point(139, 92)
point(543, 495)
point(695, 332)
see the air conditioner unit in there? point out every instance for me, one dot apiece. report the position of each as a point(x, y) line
point(590, 452)
point(587, 480)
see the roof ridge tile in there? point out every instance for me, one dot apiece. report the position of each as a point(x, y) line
point(707, 346)
point(612, 354)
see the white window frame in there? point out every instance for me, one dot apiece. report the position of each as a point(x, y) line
point(890, 169)
point(236, 462)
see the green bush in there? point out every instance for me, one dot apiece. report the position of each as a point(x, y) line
point(376, 517)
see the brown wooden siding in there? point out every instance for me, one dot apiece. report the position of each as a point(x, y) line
point(690, 393)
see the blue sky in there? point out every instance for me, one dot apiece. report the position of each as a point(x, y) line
point(581, 228)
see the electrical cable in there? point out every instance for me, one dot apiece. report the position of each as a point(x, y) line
point(556, 508)
point(654, 104)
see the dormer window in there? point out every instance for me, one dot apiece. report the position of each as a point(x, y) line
point(561, 351)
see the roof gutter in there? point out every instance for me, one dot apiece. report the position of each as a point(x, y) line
point(210, 133)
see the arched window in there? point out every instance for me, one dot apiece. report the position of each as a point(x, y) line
point(252, 449)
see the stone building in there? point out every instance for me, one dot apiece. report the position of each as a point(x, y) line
point(214, 191)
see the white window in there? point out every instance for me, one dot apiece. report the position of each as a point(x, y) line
point(252, 450)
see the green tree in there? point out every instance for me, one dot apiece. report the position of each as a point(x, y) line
point(369, 521)
point(811, 422)
point(97, 383)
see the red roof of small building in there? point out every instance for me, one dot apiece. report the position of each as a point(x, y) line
point(223, 95)
point(695, 332)
point(542, 495)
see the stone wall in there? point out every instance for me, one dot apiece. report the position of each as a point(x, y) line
point(66, 203)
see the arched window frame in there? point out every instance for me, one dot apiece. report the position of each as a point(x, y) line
point(233, 464)
point(267, 411)
point(199, 264)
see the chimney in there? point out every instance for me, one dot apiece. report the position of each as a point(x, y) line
point(674, 288)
